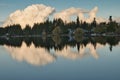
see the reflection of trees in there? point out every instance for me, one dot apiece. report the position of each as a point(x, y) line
point(101, 40)
point(78, 38)
point(112, 41)
point(11, 41)
point(56, 39)
point(36, 51)
point(27, 40)
point(57, 42)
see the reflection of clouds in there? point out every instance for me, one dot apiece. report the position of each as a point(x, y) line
point(67, 52)
point(40, 56)
point(119, 44)
point(32, 55)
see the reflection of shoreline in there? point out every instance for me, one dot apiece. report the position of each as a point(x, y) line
point(40, 56)
point(57, 42)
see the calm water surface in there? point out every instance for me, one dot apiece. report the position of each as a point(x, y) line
point(69, 63)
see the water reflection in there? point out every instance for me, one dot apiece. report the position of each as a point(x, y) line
point(39, 51)
point(32, 55)
point(84, 51)
point(40, 56)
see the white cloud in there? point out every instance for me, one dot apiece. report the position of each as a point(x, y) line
point(38, 13)
point(66, 14)
point(32, 14)
point(117, 19)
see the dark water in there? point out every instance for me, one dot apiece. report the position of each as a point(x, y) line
point(60, 58)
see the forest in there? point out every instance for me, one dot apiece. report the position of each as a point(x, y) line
point(58, 27)
point(58, 34)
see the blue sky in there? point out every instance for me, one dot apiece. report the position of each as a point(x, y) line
point(106, 7)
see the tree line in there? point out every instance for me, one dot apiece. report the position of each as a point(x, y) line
point(59, 27)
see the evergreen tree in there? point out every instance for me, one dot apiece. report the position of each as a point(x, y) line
point(77, 21)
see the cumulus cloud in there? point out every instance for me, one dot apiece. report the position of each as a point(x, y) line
point(38, 13)
point(31, 55)
point(117, 19)
point(66, 14)
point(92, 14)
point(32, 14)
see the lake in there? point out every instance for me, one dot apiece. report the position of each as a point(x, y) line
point(60, 58)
